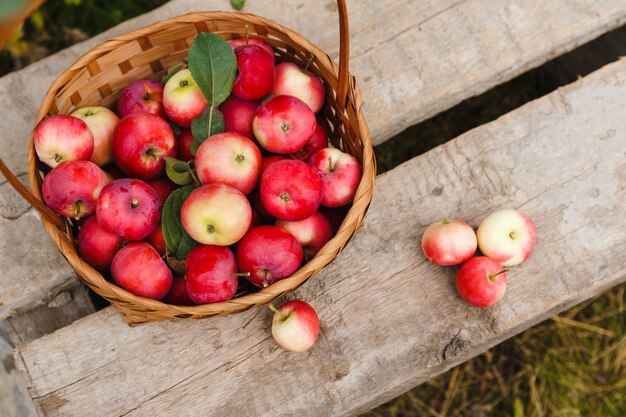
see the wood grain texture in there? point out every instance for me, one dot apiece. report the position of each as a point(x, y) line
point(390, 319)
point(412, 59)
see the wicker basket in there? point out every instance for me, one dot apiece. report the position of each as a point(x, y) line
point(97, 78)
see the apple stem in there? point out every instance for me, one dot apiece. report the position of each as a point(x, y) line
point(152, 154)
point(134, 203)
point(492, 277)
point(331, 168)
point(283, 316)
point(309, 62)
point(241, 274)
point(194, 175)
point(79, 205)
point(445, 221)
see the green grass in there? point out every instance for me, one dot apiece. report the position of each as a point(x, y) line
point(570, 366)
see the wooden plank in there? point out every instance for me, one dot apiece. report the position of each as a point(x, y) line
point(390, 319)
point(413, 59)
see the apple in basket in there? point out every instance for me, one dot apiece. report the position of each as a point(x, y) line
point(294, 81)
point(182, 98)
point(62, 138)
point(101, 122)
point(141, 96)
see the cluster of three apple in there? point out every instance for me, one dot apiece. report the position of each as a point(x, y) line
point(505, 239)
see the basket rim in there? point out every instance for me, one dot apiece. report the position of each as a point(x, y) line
point(351, 222)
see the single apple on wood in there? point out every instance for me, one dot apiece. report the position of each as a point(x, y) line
point(295, 326)
point(216, 214)
point(211, 274)
point(141, 96)
point(182, 98)
point(268, 254)
point(101, 122)
point(341, 173)
point(139, 269)
point(449, 242)
point(96, 245)
point(481, 281)
point(140, 142)
point(62, 138)
point(506, 236)
point(129, 207)
point(72, 188)
point(283, 124)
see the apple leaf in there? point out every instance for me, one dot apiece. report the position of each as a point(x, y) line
point(178, 171)
point(211, 119)
point(237, 4)
point(213, 66)
point(178, 242)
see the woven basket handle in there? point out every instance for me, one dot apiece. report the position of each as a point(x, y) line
point(344, 54)
point(30, 197)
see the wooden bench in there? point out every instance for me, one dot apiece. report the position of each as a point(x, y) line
point(381, 304)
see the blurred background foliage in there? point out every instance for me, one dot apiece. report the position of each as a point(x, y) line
point(573, 365)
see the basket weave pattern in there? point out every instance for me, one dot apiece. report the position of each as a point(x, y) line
point(99, 76)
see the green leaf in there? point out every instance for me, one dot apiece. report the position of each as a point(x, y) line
point(237, 4)
point(178, 171)
point(173, 70)
point(200, 127)
point(213, 66)
point(178, 242)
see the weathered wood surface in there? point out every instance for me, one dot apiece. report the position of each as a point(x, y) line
point(390, 319)
point(413, 59)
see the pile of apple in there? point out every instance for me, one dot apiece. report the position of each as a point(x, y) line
point(222, 168)
point(505, 239)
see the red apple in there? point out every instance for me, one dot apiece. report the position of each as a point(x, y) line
point(139, 269)
point(291, 190)
point(140, 142)
point(235, 43)
point(62, 138)
point(312, 233)
point(184, 145)
point(256, 72)
point(269, 161)
point(101, 122)
point(295, 326)
point(156, 240)
point(341, 173)
point(216, 214)
point(481, 281)
point(163, 187)
point(268, 253)
point(96, 245)
point(506, 236)
point(229, 158)
point(72, 188)
point(449, 242)
point(129, 208)
point(182, 98)
point(291, 80)
point(238, 115)
point(317, 141)
point(178, 294)
point(141, 96)
point(283, 124)
point(211, 274)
